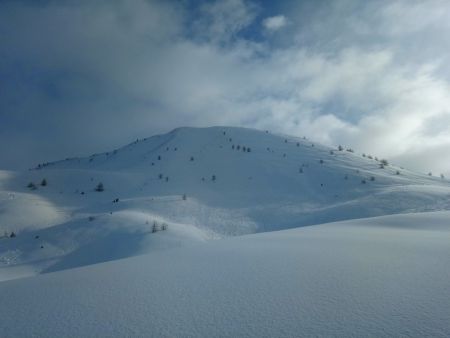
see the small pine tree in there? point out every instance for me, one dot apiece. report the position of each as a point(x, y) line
point(340, 148)
point(154, 227)
point(164, 227)
point(300, 170)
point(184, 197)
point(430, 174)
point(159, 158)
point(12, 235)
point(192, 158)
point(372, 178)
point(160, 176)
point(321, 161)
point(363, 181)
point(442, 176)
point(298, 144)
point(99, 187)
point(397, 172)
point(384, 162)
point(44, 182)
point(213, 178)
point(249, 150)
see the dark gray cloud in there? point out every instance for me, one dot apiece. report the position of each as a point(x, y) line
point(82, 77)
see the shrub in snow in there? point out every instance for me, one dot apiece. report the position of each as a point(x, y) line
point(397, 172)
point(232, 147)
point(31, 186)
point(238, 147)
point(430, 174)
point(99, 187)
point(44, 182)
point(298, 144)
point(381, 166)
point(384, 161)
point(372, 178)
point(300, 170)
point(91, 218)
point(160, 176)
point(370, 156)
point(321, 161)
point(331, 152)
point(350, 150)
point(12, 235)
point(159, 158)
point(213, 178)
point(363, 155)
point(167, 178)
point(442, 176)
point(184, 197)
point(346, 177)
point(164, 227)
point(192, 158)
point(363, 181)
point(244, 149)
point(285, 141)
point(340, 148)
point(154, 227)
point(248, 150)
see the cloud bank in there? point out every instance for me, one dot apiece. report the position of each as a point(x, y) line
point(78, 78)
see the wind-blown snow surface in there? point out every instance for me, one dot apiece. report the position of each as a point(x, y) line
point(281, 182)
point(380, 277)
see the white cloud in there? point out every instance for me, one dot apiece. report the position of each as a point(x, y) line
point(109, 68)
point(222, 20)
point(274, 23)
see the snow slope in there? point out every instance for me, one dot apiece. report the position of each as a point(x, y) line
point(379, 277)
point(282, 182)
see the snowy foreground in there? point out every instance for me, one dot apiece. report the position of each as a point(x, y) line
point(224, 232)
point(385, 276)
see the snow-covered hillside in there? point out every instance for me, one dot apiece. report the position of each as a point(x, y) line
point(379, 277)
point(199, 184)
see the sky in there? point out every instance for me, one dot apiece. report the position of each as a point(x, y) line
point(80, 77)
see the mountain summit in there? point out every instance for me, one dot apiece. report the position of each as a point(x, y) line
point(195, 184)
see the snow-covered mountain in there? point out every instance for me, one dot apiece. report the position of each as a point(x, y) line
point(198, 184)
point(151, 215)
